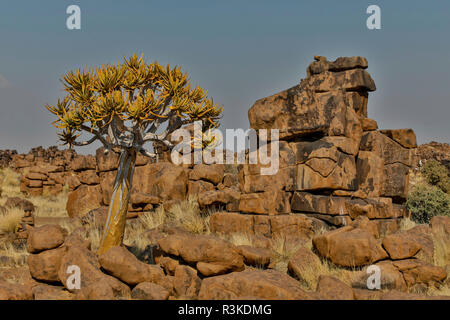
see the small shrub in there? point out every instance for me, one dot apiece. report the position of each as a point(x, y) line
point(425, 202)
point(436, 174)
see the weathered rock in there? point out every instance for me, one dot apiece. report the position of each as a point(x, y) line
point(10, 291)
point(198, 187)
point(149, 291)
point(44, 266)
point(168, 264)
point(368, 124)
point(224, 196)
point(89, 177)
point(255, 256)
point(205, 249)
point(106, 162)
point(269, 202)
point(304, 260)
point(163, 179)
point(405, 137)
point(400, 246)
point(370, 173)
point(267, 284)
point(349, 247)
point(46, 292)
point(83, 199)
point(122, 264)
point(140, 198)
point(91, 275)
point(82, 163)
point(231, 222)
point(391, 277)
point(330, 288)
point(46, 237)
point(212, 173)
point(186, 283)
point(416, 271)
point(291, 227)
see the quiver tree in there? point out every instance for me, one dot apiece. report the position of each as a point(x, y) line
point(125, 106)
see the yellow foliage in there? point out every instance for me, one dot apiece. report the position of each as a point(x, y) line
point(133, 90)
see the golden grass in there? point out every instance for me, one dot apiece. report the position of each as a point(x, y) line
point(310, 274)
point(185, 214)
point(441, 249)
point(51, 206)
point(46, 205)
point(407, 223)
point(238, 239)
point(10, 219)
point(16, 255)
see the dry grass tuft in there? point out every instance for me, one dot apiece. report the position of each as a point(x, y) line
point(282, 251)
point(51, 206)
point(441, 249)
point(312, 272)
point(12, 256)
point(407, 223)
point(10, 219)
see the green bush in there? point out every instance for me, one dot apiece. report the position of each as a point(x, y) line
point(436, 174)
point(425, 202)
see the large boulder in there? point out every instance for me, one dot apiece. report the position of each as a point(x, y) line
point(267, 284)
point(122, 264)
point(211, 255)
point(45, 265)
point(163, 179)
point(330, 288)
point(349, 247)
point(83, 199)
point(45, 237)
point(400, 246)
point(91, 275)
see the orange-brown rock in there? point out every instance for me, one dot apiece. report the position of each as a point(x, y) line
point(416, 271)
point(45, 265)
point(122, 264)
point(163, 179)
point(83, 200)
point(149, 291)
point(186, 282)
point(254, 256)
point(304, 260)
point(405, 137)
point(205, 249)
point(349, 247)
point(267, 284)
point(9, 291)
point(46, 292)
point(198, 187)
point(81, 163)
point(89, 177)
point(269, 202)
point(212, 173)
point(401, 246)
point(212, 197)
point(45, 237)
point(330, 288)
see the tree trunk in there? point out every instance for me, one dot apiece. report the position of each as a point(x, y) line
point(117, 213)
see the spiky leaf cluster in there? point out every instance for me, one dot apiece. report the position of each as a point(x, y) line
point(116, 102)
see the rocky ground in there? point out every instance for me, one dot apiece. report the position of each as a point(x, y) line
point(347, 199)
point(177, 254)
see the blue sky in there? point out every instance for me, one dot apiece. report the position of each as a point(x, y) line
point(239, 50)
